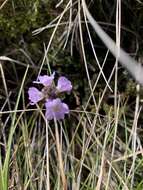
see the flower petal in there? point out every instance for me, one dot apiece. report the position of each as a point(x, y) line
point(64, 85)
point(55, 108)
point(34, 95)
point(45, 79)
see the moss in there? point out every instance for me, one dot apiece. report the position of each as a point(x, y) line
point(20, 17)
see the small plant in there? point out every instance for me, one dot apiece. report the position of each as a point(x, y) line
point(55, 109)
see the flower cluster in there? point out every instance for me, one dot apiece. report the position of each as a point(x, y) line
point(50, 93)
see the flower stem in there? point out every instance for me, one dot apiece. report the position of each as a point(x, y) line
point(59, 152)
point(47, 157)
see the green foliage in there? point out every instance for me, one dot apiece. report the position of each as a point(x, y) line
point(20, 16)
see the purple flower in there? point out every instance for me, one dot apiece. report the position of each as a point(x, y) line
point(34, 95)
point(46, 80)
point(64, 85)
point(55, 108)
